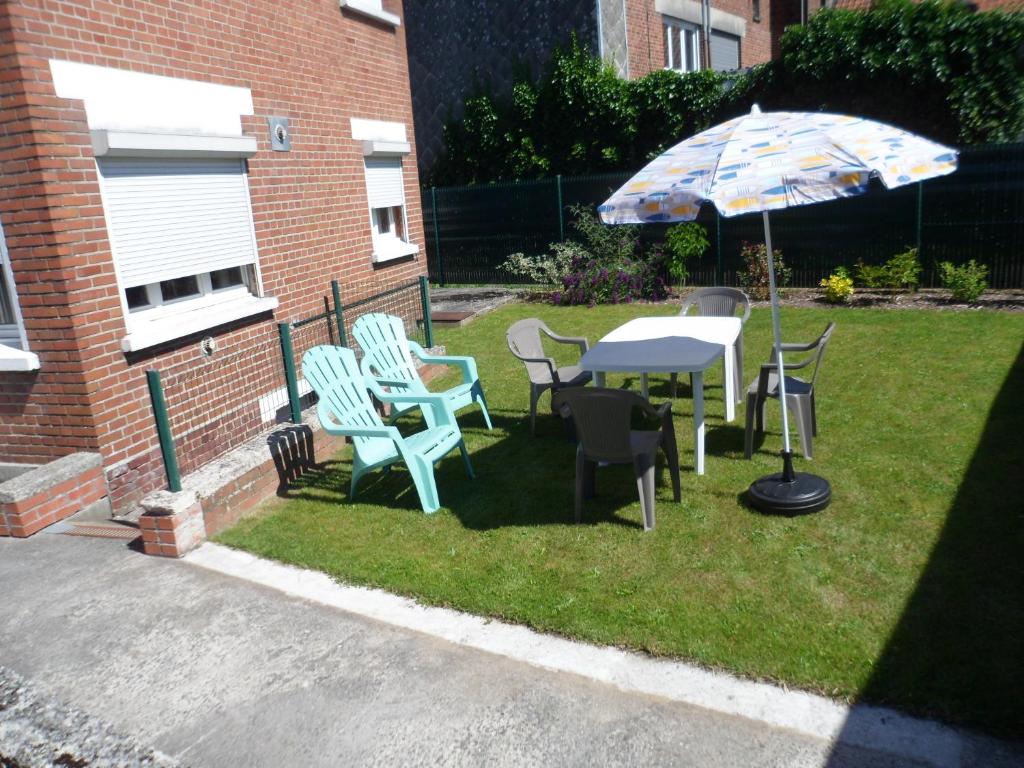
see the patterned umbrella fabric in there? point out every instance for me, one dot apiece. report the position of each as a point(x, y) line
point(766, 161)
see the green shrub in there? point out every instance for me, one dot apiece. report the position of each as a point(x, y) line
point(967, 282)
point(838, 286)
point(682, 243)
point(901, 272)
point(754, 277)
point(545, 270)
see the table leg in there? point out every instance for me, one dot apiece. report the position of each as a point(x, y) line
point(698, 420)
point(738, 347)
point(598, 378)
point(729, 386)
point(645, 390)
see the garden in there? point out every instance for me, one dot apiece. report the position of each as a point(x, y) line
point(906, 591)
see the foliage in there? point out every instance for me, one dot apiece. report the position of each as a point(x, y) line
point(608, 265)
point(754, 276)
point(682, 243)
point(546, 269)
point(966, 282)
point(901, 272)
point(838, 286)
point(933, 67)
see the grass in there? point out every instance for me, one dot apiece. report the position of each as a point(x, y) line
point(906, 591)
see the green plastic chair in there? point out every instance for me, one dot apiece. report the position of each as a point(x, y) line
point(387, 359)
point(345, 409)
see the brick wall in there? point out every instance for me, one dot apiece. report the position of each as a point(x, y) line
point(647, 36)
point(312, 62)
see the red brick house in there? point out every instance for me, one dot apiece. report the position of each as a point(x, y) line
point(180, 171)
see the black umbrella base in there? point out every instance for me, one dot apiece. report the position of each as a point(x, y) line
point(789, 492)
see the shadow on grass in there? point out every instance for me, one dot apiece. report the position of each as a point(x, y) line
point(957, 653)
point(521, 480)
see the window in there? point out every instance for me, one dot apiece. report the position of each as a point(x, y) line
point(725, 51)
point(14, 354)
point(182, 235)
point(385, 191)
point(682, 45)
point(756, 15)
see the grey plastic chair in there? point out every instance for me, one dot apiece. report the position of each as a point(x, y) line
point(719, 302)
point(799, 393)
point(602, 418)
point(525, 343)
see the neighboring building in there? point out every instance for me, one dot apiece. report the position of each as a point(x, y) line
point(149, 200)
point(457, 44)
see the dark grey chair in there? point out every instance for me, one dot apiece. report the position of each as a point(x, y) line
point(602, 418)
point(525, 343)
point(799, 393)
point(719, 302)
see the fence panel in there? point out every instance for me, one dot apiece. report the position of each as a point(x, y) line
point(977, 212)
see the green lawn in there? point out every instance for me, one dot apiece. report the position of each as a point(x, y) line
point(906, 591)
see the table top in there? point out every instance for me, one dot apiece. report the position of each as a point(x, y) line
point(663, 345)
point(715, 330)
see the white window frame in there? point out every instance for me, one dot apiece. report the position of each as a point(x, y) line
point(675, 29)
point(386, 140)
point(13, 358)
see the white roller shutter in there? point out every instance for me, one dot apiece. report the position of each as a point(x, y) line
point(725, 51)
point(173, 218)
point(384, 182)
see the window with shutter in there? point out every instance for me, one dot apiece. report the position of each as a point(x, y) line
point(385, 192)
point(682, 45)
point(725, 51)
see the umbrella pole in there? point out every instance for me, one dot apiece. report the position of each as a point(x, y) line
point(787, 492)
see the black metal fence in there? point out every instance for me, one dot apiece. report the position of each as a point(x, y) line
point(207, 405)
point(975, 213)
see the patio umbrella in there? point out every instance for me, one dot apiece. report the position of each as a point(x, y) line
point(762, 162)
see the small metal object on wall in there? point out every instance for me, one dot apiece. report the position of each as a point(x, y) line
point(280, 138)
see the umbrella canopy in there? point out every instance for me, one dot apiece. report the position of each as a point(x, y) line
point(766, 161)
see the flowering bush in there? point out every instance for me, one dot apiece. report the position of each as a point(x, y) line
point(754, 277)
point(590, 282)
point(838, 286)
point(545, 270)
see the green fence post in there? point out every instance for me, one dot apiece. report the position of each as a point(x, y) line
point(920, 210)
point(163, 430)
point(437, 237)
point(428, 325)
point(720, 276)
point(561, 210)
point(289, 372)
point(336, 293)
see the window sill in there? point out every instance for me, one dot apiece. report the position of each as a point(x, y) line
point(397, 250)
point(368, 8)
point(14, 359)
point(148, 333)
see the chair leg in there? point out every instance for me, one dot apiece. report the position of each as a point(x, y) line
point(738, 367)
point(422, 472)
point(674, 383)
point(672, 456)
point(748, 434)
point(643, 468)
point(759, 409)
point(465, 459)
point(478, 396)
point(534, 397)
point(814, 416)
point(581, 483)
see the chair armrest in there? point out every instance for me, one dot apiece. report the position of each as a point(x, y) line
point(467, 364)
point(579, 341)
point(331, 427)
point(549, 362)
point(440, 412)
point(788, 366)
point(746, 314)
point(791, 347)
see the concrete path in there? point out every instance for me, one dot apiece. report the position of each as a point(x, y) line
point(215, 671)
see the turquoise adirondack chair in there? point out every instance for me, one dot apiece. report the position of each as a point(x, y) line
point(345, 409)
point(387, 359)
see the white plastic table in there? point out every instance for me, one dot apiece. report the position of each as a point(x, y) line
point(672, 345)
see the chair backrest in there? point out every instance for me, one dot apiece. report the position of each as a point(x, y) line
point(820, 344)
point(524, 341)
point(717, 302)
point(386, 349)
point(335, 377)
point(602, 419)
